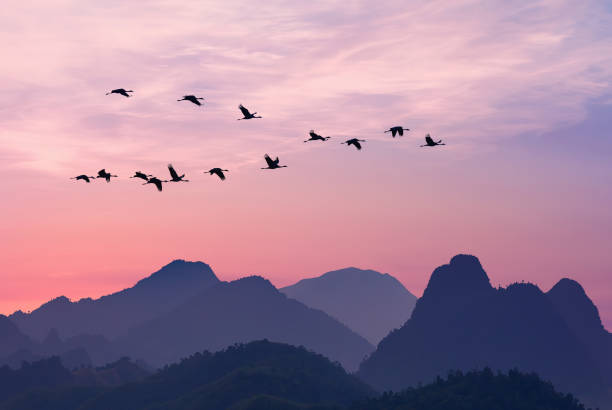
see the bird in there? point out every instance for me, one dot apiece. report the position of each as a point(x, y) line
point(85, 178)
point(316, 137)
point(397, 130)
point(192, 98)
point(272, 164)
point(218, 172)
point(155, 181)
point(141, 175)
point(353, 141)
point(106, 175)
point(429, 142)
point(247, 115)
point(121, 91)
point(175, 176)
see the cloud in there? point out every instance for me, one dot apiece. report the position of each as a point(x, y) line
point(469, 70)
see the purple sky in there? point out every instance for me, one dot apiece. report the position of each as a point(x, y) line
point(520, 91)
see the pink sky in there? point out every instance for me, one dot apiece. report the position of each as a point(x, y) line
point(520, 91)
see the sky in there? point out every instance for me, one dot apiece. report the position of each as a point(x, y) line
point(519, 91)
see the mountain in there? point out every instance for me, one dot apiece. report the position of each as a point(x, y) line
point(11, 338)
point(463, 323)
point(241, 376)
point(111, 315)
point(263, 376)
point(46, 381)
point(582, 316)
point(247, 309)
point(369, 302)
point(477, 390)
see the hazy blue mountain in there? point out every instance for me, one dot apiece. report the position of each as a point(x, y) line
point(12, 339)
point(113, 314)
point(247, 309)
point(369, 302)
point(461, 322)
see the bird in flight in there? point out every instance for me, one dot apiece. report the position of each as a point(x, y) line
point(316, 137)
point(397, 130)
point(192, 98)
point(155, 181)
point(85, 178)
point(272, 164)
point(429, 142)
point(121, 91)
point(353, 141)
point(218, 172)
point(141, 175)
point(247, 115)
point(106, 175)
point(175, 176)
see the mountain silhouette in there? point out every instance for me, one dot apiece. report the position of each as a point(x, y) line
point(582, 316)
point(16, 348)
point(247, 309)
point(11, 338)
point(370, 303)
point(262, 375)
point(111, 315)
point(476, 390)
point(463, 323)
point(255, 375)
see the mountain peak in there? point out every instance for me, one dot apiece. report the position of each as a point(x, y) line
point(571, 300)
point(180, 270)
point(252, 282)
point(463, 275)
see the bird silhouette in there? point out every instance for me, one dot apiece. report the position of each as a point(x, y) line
point(141, 175)
point(155, 181)
point(316, 137)
point(429, 142)
point(175, 176)
point(106, 175)
point(83, 177)
point(121, 91)
point(247, 115)
point(397, 130)
point(192, 98)
point(218, 172)
point(353, 141)
point(272, 164)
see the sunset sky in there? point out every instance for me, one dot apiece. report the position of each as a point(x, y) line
point(521, 92)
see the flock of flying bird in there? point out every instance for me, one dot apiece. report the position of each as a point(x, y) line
point(246, 115)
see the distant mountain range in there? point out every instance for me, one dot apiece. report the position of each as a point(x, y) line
point(260, 376)
point(369, 302)
point(240, 311)
point(114, 314)
point(462, 322)
point(180, 309)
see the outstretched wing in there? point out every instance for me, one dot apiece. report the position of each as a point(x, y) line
point(429, 140)
point(244, 111)
point(102, 173)
point(314, 135)
point(220, 174)
point(357, 144)
point(173, 173)
point(158, 184)
point(269, 160)
point(194, 100)
point(400, 131)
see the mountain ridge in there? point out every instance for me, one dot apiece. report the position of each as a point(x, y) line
point(369, 302)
